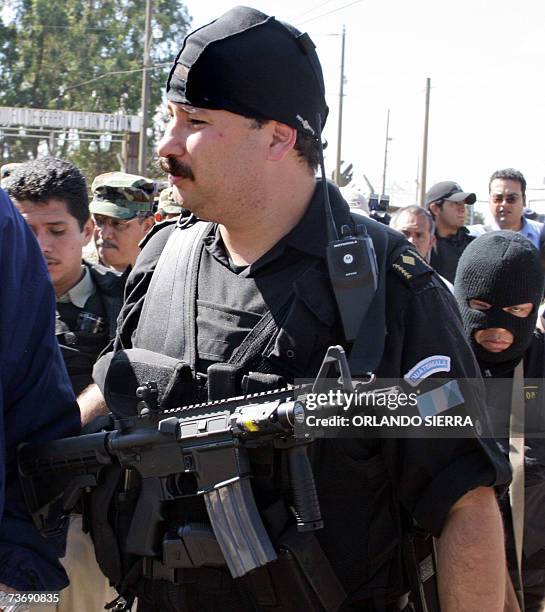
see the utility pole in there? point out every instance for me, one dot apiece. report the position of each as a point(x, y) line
point(340, 126)
point(386, 153)
point(424, 162)
point(416, 181)
point(144, 100)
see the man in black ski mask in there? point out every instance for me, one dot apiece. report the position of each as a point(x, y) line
point(498, 286)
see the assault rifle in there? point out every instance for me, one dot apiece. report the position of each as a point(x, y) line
point(207, 443)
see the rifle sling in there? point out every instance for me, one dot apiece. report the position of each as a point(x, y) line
point(104, 538)
point(516, 458)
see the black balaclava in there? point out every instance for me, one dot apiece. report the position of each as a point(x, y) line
point(503, 269)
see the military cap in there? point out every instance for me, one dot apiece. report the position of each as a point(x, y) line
point(5, 171)
point(251, 64)
point(121, 195)
point(168, 204)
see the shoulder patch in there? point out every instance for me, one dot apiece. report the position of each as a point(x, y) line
point(426, 367)
point(412, 267)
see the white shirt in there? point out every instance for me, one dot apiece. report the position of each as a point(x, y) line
point(80, 292)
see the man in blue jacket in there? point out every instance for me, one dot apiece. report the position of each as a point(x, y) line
point(36, 400)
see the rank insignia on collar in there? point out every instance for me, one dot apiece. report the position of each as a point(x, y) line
point(411, 266)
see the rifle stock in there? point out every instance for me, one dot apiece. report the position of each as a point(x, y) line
point(54, 475)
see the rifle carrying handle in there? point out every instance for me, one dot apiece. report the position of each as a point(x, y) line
point(305, 497)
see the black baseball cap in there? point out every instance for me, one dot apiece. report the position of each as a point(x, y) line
point(250, 64)
point(449, 190)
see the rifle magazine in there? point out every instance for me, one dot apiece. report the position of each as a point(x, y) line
point(238, 527)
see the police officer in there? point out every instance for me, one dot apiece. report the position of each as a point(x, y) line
point(51, 194)
point(499, 284)
point(122, 208)
point(241, 148)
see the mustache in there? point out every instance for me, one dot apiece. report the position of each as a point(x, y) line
point(171, 165)
point(106, 244)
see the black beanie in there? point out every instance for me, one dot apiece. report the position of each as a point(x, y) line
point(251, 64)
point(503, 269)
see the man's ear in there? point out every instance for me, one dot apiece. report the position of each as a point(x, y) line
point(433, 208)
point(148, 223)
point(282, 141)
point(88, 230)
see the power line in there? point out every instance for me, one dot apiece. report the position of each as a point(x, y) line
point(51, 26)
point(113, 72)
point(340, 8)
point(69, 27)
point(310, 10)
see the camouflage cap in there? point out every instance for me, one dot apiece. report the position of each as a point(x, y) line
point(168, 204)
point(5, 171)
point(121, 195)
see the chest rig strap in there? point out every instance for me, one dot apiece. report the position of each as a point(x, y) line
point(174, 285)
point(172, 289)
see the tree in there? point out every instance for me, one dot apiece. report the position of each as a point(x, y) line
point(83, 55)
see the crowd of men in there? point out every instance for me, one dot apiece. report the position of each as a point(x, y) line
point(228, 271)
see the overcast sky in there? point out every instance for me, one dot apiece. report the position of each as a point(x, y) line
point(485, 59)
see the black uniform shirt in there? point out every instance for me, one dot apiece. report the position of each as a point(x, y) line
point(447, 252)
point(428, 475)
point(231, 300)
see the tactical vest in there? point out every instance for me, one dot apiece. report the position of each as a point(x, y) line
point(81, 349)
point(310, 302)
point(362, 545)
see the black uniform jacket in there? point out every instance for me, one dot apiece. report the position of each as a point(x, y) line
point(447, 252)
